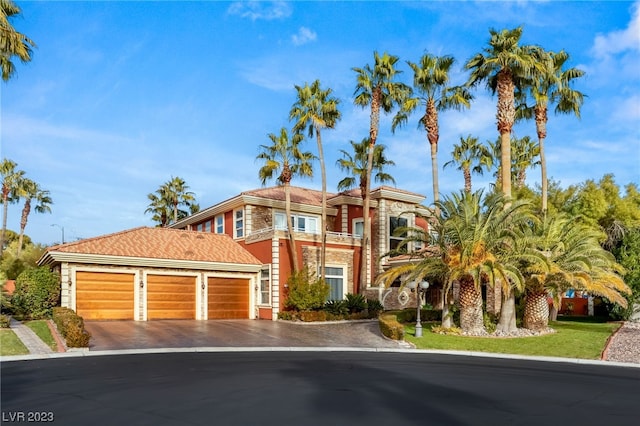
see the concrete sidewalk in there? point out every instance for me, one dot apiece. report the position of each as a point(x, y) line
point(33, 343)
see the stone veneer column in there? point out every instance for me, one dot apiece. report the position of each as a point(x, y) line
point(345, 218)
point(65, 286)
point(275, 277)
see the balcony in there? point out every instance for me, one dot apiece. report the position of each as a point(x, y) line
point(332, 237)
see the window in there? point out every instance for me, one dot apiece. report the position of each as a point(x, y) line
point(239, 223)
point(219, 224)
point(358, 227)
point(265, 286)
point(199, 227)
point(207, 226)
point(396, 238)
point(334, 276)
point(300, 223)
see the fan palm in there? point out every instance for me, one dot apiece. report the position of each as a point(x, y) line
point(378, 89)
point(356, 165)
point(315, 109)
point(431, 83)
point(31, 191)
point(550, 85)
point(11, 182)
point(12, 43)
point(470, 156)
point(284, 159)
point(524, 152)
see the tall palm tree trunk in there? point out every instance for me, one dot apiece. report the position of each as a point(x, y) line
point(323, 230)
point(541, 129)
point(23, 224)
point(5, 212)
point(292, 238)
point(467, 180)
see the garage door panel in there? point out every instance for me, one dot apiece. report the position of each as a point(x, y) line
point(171, 297)
point(228, 298)
point(104, 295)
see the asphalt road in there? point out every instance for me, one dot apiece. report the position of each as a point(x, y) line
point(316, 388)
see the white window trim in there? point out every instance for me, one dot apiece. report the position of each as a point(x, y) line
point(261, 302)
point(295, 217)
point(353, 225)
point(345, 287)
point(235, 223)
point(215, 223)
point(390, 235)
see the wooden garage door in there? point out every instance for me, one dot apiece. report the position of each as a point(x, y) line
point(228, 298)
point(171, 297)
point(102, 295)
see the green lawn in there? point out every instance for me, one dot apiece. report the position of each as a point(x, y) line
point(10, 344)
point(572, 339)
point(42, 330)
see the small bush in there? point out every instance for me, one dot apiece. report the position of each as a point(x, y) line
point(306, 292)
point(374, 307)
point(311, 316)
point(390, 327)
point(5, 321)
point(37, 291)
point(71, 326)
point(490, 322)
point(450, 331)
point(356, 303)
point(337, 308)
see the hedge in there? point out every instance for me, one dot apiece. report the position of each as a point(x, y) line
point(71, 326)
point(390, 327)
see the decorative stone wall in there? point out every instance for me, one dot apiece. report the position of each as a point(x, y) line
point(342, 257)
point(261, 218)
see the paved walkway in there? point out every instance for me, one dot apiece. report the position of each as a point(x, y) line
point(33, 343)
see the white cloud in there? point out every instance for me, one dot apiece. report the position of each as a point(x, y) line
point(255, 10)
point(304, 36)
point(621, 40)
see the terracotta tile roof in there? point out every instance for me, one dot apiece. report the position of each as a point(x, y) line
point(163, 243)
point(298, 194)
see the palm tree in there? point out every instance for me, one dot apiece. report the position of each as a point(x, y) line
point(316, 109)
point(165, 203)
point(12, 43)
point(431, 82)
point(31, 191)
point(11, 181)
point(548, 86)
point(159, 207)
point(356, 166)
point(176, 193)
point(577, 260)
point(524, 152)
point(470, 156)
point(505, 65)
point(376, 88)
point(284, 159)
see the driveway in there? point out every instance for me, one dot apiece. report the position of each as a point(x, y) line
point(115, 335)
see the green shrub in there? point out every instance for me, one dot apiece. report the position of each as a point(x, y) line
point(5, 321)
point(490, 321)
point(356, 303)
point(454, 331)
point(311, 316)
point(71, 326)
point(37, 291)
point(409, 315)
point(337, 308)
point(390, 327)
point(374, 307)
point(306, 292)
point(286, 315)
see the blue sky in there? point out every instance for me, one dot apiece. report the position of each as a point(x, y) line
point(120, 96)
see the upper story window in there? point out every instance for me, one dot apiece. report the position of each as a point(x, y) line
point(199, 227)
point(239, 223)
point(300, 223)
point(358, 227)
point(219, 221)
point(207, 226)
point(396, 237)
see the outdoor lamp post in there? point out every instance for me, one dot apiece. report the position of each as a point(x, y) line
point(420, 288)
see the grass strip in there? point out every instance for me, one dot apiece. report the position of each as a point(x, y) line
point(42, 330)
point(572, 340)
point(10, 344)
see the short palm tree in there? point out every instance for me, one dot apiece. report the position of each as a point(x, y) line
point(551, 85)
point(284, 159)
point(315, 109)
point(11, 183)
point(577, 260)
point(470, 156)
point(377, 89)
point(165, 203)
point(356, 165)
point(435, 94)
point(177, 194)
point(12, 43)
point(159, 208)
point(30, 191)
